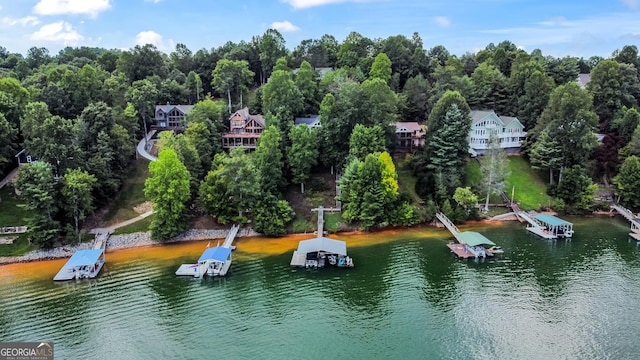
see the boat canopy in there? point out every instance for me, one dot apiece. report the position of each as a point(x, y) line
point(84, 258)
point(217, 253)
point(473, 238)
point(323, 244)
point(551, 220)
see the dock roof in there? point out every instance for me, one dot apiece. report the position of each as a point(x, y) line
point(84, 257)
point(551, 220)
point(323, 244)
point(473, 238)
point(217, 253)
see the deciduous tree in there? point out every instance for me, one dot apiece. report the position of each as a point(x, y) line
point(168, 188)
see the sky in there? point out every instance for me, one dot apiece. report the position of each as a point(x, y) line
point(582, 28)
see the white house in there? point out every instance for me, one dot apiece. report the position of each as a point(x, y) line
point(509, 131)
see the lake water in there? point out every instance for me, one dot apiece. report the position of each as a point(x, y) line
point(407, 297)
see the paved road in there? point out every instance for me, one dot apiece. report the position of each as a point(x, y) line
point(141, 147)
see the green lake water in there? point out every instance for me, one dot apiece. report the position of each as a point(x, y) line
point(406, 298)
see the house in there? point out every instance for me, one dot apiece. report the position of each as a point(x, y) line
point(171, 117)
point(24, 158)
point(583, 80)
point(409, 136)
point(509, 131)
point(312, 121)
point(244, 130)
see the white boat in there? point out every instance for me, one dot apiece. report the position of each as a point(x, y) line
point(496, 250)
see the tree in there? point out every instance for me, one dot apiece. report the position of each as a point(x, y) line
point(576, 189)
point(268, 160)
point(369, 192)
point(38, 189)
point(168, 188)
point(381, 68)
point(570, 122)
point(489, 88)
point(142, 62)
point(303, 153)
point(282, 92)
point(231, 76)
point(76, 190)
point(417, 92)
point(272, 47)
point(627, 123)
point(271, 216)
point(628, 182)
point(143, 95)
point(366, 140)
point(7, 147)
point(306, 83)
point(193, 85)
point(465, 198)
point(494, 167)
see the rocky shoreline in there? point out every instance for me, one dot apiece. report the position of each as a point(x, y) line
point(125, 241)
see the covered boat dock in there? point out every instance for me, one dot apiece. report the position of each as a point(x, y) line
point(214, 261)
point(82, 264)
point(315, 253)
point(551, 227)
point(471, 245)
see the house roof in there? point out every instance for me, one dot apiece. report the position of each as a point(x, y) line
point(84, 258)
point(551, 220)
point(408, 126)
point(217, 253)
point(311, 120)
point(508, 119)
point(473, 238)
point(481, 114)
point(583, 80)
point(322, 244)
point(244, 112)
point(168, 107)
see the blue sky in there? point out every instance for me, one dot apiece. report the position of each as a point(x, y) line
point(557, 27)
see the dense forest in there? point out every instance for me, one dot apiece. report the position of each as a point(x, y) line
point(81, 112)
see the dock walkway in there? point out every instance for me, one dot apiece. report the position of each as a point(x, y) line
point(633, 218)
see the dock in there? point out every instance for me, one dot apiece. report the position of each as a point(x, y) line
point(83, 264)
point(633, 218)
point(548, 226)
point(321, 251)
point(470, 243)
point(214, 261)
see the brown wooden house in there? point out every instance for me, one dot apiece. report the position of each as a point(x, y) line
point(244, 130)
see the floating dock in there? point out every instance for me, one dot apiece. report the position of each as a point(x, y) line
point(83, 264)
point(214, 261)
point(548, 226)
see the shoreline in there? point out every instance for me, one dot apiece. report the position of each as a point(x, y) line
point(143, 239)
point(125, 241)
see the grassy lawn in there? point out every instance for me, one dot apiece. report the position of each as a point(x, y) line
point(406, 179)
point(530, 188)
point(132, 194)
point(19, 247)
point(138, 226)
point(10, 213)
point(332, 222)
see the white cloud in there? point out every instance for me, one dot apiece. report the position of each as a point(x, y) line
point(303, 4)
point(153, 1)
point(25, 21)
point(442, 21)
point(284, 26)
point(60, 31)
point(58, 7)
point(631, 4)
point(150, 37)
